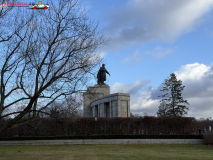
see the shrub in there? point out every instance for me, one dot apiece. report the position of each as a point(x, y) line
point(144, 136)
point(209, 137)
point(103, 126)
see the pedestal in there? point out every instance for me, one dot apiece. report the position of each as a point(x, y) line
point(91, 94)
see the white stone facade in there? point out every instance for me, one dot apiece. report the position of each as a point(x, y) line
point(113, 105)
point(93, 93)
point(99, 103)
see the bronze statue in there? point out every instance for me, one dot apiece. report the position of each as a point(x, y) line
point(102, 74)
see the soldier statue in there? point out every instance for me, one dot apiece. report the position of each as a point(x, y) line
point(102, 75)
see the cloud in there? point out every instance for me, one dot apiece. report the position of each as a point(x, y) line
point(139, 95)
point(144, 20)
point(193, 72)
point(159, 52)
point(130, 88)
point(103, 54)
point(98, 56)
point(197, 79)
point(156, 53)
point(136, 56)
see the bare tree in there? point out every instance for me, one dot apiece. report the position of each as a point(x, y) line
point(14, 29)
point(53, 56)
point(131, 115)
point(70, 107)
point(138, 115)
point(12, 21)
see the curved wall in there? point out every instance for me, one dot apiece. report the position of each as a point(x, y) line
point(113, 105)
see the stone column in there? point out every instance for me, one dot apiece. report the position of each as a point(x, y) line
point(104, 111)
point(93, 109)
point(101, 110)
point(118, 108)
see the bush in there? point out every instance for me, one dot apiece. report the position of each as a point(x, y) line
point(209, 137)
point(103, 126)
point(144, 136)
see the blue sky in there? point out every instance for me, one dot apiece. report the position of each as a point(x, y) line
point(149, 40)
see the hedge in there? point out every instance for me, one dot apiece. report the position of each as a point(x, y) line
point(107, 137)
point(103, 126)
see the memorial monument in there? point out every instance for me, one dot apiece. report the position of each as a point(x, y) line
point(101, 76)
point(98, 102)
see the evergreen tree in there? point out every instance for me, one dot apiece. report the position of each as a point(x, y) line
point(174, 105)
point(162, 109)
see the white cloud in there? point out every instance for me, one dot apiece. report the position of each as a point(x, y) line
point(192, 72)
point(159, 52)
point(139, 95)
point(103, 54)
point(136, 56)
point(97, 56)
point(144, 20)
point(130, 88)
point(198, 81)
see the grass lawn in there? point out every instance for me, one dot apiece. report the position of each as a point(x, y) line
point(121, 151)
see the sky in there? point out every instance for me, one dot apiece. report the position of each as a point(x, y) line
point(149, 40)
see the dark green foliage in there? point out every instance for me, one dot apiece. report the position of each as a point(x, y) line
point(173, 104)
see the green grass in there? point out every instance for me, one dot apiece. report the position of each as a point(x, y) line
point(123, 151)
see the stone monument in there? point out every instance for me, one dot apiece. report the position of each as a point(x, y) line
point(91, 94)
point(98, 102)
